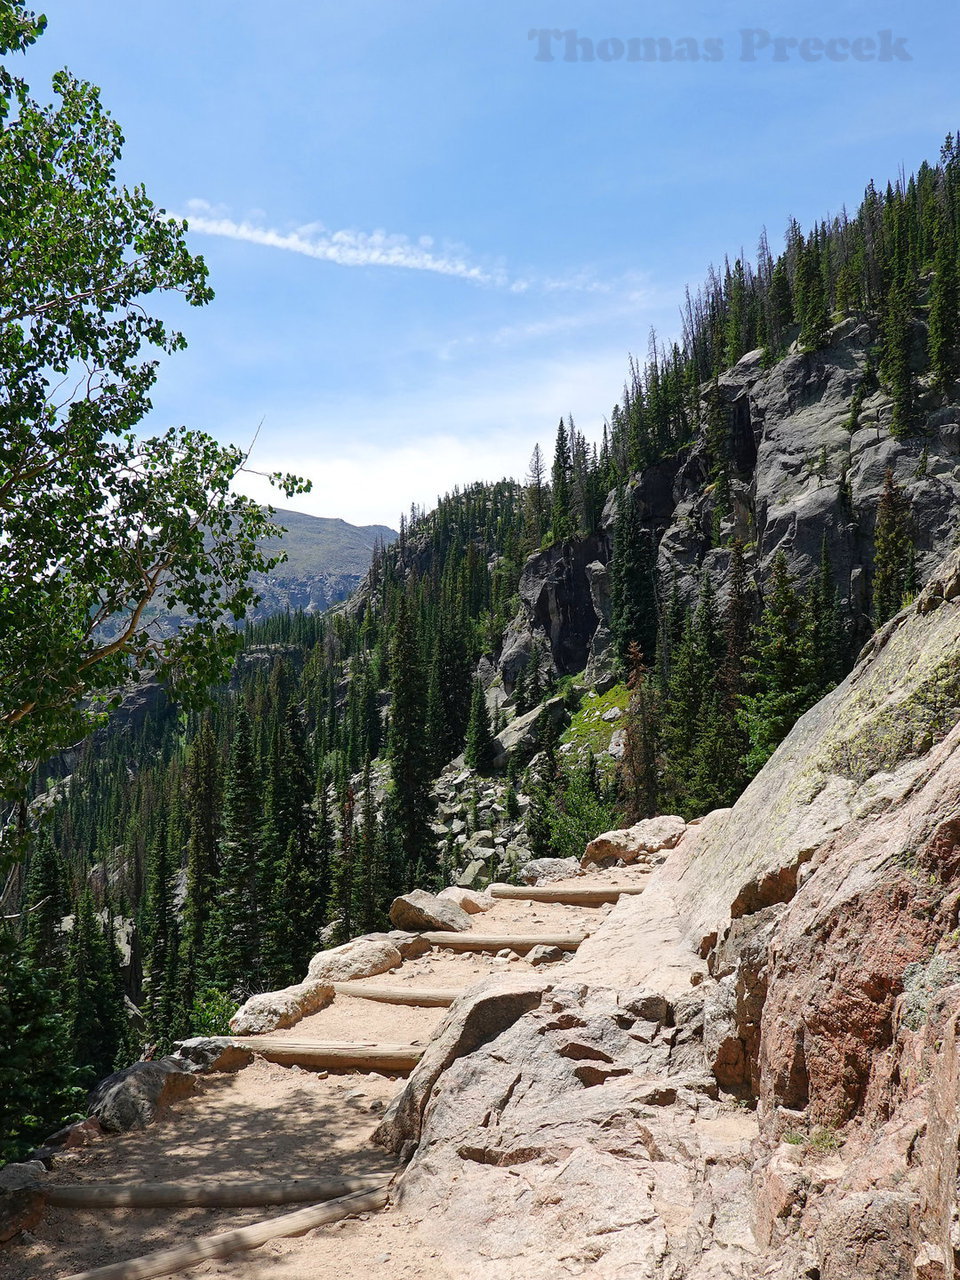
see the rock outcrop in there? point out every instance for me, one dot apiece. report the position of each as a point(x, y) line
point(806, 468)
point(420, 910)
point(639, 843)
point(131, 1098)
point(751, 1069)
point(274, 1010)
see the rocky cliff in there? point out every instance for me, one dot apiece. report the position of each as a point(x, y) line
point(809, 446)
point(751, 1069)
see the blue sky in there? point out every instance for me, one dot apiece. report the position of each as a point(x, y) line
point(427, 245)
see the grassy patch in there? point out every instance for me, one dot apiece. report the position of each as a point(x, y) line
point(588, 730)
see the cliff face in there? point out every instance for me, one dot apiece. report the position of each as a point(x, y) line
point(802, 470)
point(751, 1069)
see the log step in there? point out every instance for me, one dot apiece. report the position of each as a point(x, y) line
point(521, 943)
point(167, 1262)
point(423, 997)
point(317, 1055)
point(593, 897)
point(212, 1195)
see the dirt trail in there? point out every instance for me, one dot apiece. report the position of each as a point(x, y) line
point(273, 1121)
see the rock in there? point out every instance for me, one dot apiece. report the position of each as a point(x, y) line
point(473, 873)
point(421, 910)
point(214, 1053)
point(274, 1010)
point(523, 735)
point(482, 839)
point(359, 958)
point(467, 900)
point(21, 1198)
point(473, 1020)
point(868, 1234)
point(636, 843)
point(544, 955)
point(80, 1134)
point(543, 870)
point(567, 1138)
point(131, 1098)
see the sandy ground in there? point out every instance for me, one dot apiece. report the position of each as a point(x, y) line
point(273, 1121)
point(266, 1121)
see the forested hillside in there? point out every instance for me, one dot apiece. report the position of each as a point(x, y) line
point(768, 490)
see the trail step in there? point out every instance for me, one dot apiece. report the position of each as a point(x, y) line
point(319, 1055)
point(423, 997)
point(520, 943)
point(593, 897)
point(206, 1195)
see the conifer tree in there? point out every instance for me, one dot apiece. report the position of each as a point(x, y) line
point(945, 310)
point(535, 502)
point(633, 605)
point(638, 774)
point(561, 521)
point(780, 686)
point(203, 815)
point(479, 750)
point(893, 552)
point(896, 368)
point(368, 888)
point(236, 928)
point(45, 903)
point(162, 941)
point(95, 1000)
point(409, 802)
point(38, 1081)
point(343, 872)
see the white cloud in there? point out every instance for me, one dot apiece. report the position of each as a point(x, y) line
point(369, 460)
point(351, 248)
point(347, 248)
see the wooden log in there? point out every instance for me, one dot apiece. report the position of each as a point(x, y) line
point(167, 1261)
point(220, 1195)
point(496, 942)
point(319, 1055)
point(423, 997)
point(592, 897)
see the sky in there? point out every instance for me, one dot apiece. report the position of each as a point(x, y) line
point(433, 229)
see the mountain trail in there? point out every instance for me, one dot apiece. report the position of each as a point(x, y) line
point(271, 1121)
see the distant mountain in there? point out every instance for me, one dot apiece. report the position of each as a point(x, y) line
point(326, 559)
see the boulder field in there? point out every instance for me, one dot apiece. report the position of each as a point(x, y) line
point(751, 1069)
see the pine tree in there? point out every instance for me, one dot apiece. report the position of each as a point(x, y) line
point(633, 604)
point(409, 803)
point(160, 927)
point(945, 310)
point(780, 686)
point(45, 903)
point(369, 904)
point(95, 996)
point(236, 926)
point(894, 553)
point(811, 302)
point(896, 368)
point(38, 1084)
point(479, 752)
point(638, 773)
point(203, 815)
point(561, 520)
point(535, 502)
point(343, 873)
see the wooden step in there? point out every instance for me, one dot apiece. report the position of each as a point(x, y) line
point(521, 943)
point(422, 997)
point(319, 1055)
point(592, 897)
point(206, 1195)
